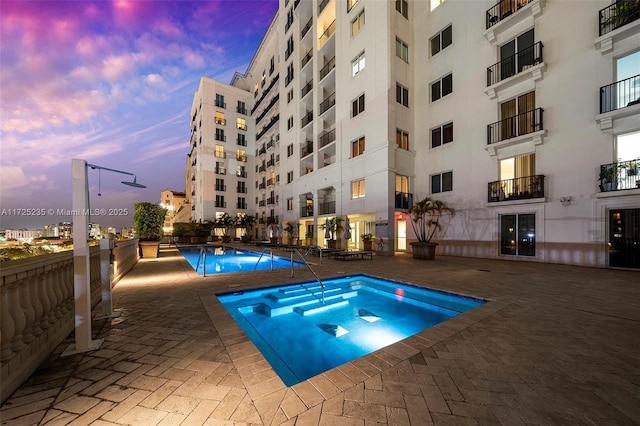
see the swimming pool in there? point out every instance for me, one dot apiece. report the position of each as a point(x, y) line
point(225, 259)
point(301, 337)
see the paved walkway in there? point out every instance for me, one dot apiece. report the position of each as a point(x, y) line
point(556, 345)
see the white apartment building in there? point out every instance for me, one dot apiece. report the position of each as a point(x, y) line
point(523, 115)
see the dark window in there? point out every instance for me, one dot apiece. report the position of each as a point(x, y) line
point(518, 234)
point(442, 182)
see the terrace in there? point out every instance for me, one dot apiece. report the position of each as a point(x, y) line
point(557, 346)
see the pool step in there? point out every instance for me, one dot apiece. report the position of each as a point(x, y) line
point(321, 307)
point(275, 307)
point(284, 296)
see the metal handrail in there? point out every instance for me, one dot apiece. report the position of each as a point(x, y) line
point(264, 250)
point(312, 271)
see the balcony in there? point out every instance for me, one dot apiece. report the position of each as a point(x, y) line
point(619, 176)
point(241, 174)
point(220, 171)
point(306, 211)
point(327, 103)
point(266, 128)
point(288, 52)
point(404, 200)
point(327, 208)
point(262, 203)
point(519, 125)
point(306, 89)
point(262, 168)
point(271, 162)
point(306, 58)
point(306, 28)
point(502, 10)
point(326, 34)
point(288, 79)
point(262, 185)
point(307, 149)
point(620, 94)
point(242, 158)
point(509, 16)
point(308, 118)
point(220, 137)
point(515, 64)
point(221, 204)
point(222, 188)
point(241, 189)
point(523, 188)
point(221, 121)
point(241, 110)
point(271, 200)
point(326, 138)
point(271, 181)
point(242, 206)
point(617, 15)
point(326, 69)
point(221, 104)
point(219, 154)
point(322, 5)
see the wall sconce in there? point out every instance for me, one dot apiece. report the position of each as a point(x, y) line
point(566, 200)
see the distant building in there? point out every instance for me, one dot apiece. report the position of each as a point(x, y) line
point(22, 234)
point(172, 201)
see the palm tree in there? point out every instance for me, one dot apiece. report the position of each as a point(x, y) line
point(425, 217)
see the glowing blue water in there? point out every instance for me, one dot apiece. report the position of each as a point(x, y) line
point(228, 259)
point(302, 337)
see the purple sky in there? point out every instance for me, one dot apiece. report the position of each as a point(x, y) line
point(110, 82)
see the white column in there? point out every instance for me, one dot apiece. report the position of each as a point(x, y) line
point(81, 268)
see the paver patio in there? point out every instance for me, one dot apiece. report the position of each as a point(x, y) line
point(555, 345)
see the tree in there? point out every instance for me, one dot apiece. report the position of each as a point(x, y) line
point(425, 217)
point(148, 219)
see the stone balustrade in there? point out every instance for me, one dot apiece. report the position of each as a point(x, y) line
point(37, 307)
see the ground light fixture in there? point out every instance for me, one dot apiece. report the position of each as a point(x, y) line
point(81, 262)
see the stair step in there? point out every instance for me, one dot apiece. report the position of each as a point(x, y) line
point(321, 307)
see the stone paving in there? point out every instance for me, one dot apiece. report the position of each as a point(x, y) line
point(556, 345)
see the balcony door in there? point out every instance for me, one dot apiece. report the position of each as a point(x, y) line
point(624, 238)
point(518, 116)
point(516, 54)
point(514, 174)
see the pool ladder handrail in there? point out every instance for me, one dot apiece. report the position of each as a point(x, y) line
point(203, 255)
point(264, 250)
point(295, 250)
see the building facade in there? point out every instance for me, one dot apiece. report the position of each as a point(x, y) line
point(172, 201)
point(525, 125)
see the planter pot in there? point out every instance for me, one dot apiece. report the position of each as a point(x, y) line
point(150, 249)
point(332, 244)
point(308, 241)
point(293, 241)
point(367, 245)
point(274, 240)
point(425, 251)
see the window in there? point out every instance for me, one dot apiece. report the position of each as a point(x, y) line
point(220, 201)
point(220, 170)
point(289, 204)
point(442, 182)
point(241, 124)
point(272, 68)
point(289, 50)
point(441, 135)
point(242, 140)
point(289, 78)
point(290, 176)
point(518, 234)
point(402, 50)
point(351, 3)
point(357, 105)
point(220, 135)
point(289, 150)
point(403, 7)
point(242, 107)
point(242, 187)
point(516, 54)
point(402, 95)
point(241, 155)
point(219, 118)
point(402, 139)
point(357, 189)
point(220, 186)
point(219, 151)
point(518, 117)
point(290, 96)
point(435, 3)
point(357, 23)
point(442, 87)
point(241, 171)
point(357, 147)
point(220, 101)
point(441, 40)
point(357, 64)
point(289, 123)
point(242, 203)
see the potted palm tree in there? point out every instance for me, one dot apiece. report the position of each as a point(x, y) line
point(334, 225)
point(272, 224)
point(148, 219)
point(425, 221)
point(227, 223)
point(246, 223)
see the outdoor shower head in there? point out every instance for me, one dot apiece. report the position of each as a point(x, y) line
point(134, 183)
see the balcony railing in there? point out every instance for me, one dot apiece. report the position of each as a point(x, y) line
point(404, 200)
point(326, 138)
point(241, 110)
point(262, 185)
point(326, 69)
point(306, 211)
point(241, 189)
point(327, 208)
point(241, 174)
point(220, 171)
point(522, 188)
point(306, 89)
point(271, 181)
point(521, 124)
point(620, 94)
point(307, 118)
point(262, 168)
point(271, 162)
point(222, 188)
point(219, 154)
point(241, 141)
point(221, 204)
point(266, 128)
point(220, 137)
point(242, 206)
point(220, 104)
point(503, 9)
point(515, 64)
point(306, 149)
point(326, 34)
point(262, 203)
point(619, 176)
point(306, 58)
point(322, 5)
point(271, 200)
point(618, 14)
point(221, 121)
point(306, 28)
point(242, 158)
point(327, 103)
